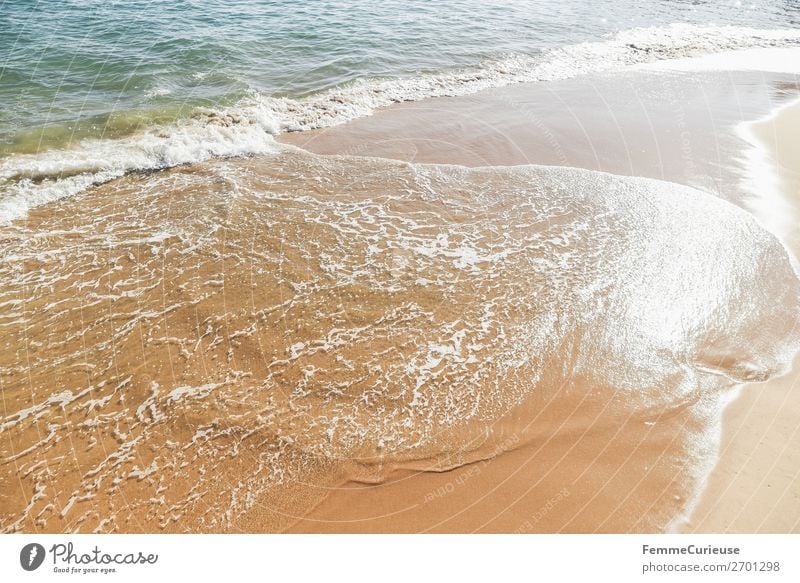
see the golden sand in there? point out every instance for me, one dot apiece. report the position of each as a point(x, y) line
point(329, 344)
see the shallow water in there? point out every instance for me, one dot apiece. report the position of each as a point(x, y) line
point(185, 344)
point(209, 347)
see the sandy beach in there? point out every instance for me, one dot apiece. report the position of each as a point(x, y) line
point(544, 307)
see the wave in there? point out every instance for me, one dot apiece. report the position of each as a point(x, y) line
point(31, 180)
point(248, 128)
point(631, 47)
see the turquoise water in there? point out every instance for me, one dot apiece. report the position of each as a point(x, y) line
point(98, 67)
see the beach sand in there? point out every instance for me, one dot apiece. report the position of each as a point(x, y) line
point(678, 127)
point(303, 343)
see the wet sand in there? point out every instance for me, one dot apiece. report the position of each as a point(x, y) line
point(678, 127)
point(756, 485)
point(220, 347)
point(335, 344)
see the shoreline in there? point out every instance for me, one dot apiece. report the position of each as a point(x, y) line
point(546, 465)
point(396, 133)
point(32, 176)
point(746, 451)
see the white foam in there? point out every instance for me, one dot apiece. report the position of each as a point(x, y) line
point(185, 392)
